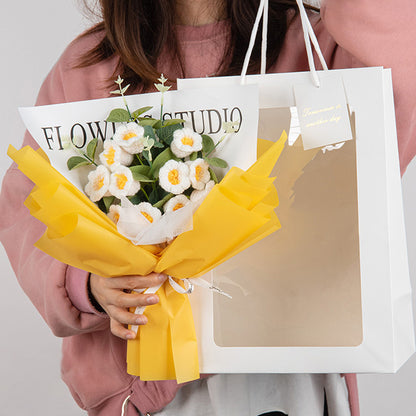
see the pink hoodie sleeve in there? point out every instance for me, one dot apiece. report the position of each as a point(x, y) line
point(58, 291)
point(382, 33)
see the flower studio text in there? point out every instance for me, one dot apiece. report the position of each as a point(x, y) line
point(208, 121)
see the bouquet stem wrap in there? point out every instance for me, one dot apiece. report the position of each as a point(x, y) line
point(237, 213)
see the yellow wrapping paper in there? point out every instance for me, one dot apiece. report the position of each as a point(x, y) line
point(238, 212)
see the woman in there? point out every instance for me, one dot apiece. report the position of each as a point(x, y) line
point(186, 38)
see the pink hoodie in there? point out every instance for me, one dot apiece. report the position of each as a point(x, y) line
point(351, 33)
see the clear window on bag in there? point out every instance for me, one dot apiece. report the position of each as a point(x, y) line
point(301, 285)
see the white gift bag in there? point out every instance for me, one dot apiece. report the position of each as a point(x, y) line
point(330, 291)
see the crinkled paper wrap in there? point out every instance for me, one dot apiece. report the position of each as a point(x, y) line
point(238, 212)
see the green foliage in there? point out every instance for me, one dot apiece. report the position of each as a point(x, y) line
point(163, 201)
point(165, 133)
point(213, 175)
point(193, 156)
point(216, 162)
point(108, 201)
point(160, 160)
point(140, 169)
point(148, 131)
point(77, 161)
point(91, 148)
point(118, 115)
point(140, 173)
point(136, 114)
point(173, 121)
point(208, 145)
point(152, 122)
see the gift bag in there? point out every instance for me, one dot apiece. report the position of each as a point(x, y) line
point(330, 292)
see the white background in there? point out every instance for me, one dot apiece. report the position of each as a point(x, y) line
point(32, 36)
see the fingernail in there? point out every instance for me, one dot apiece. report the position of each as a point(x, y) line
point(141, 320)
point(161, 277)
point(131, 335)
point(152, 299)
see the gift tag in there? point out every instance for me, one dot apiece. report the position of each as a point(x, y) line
point(323, 113)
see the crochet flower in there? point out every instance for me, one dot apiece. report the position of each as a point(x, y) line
point(185, 141)
point(122, 182)
point(199, 173)
point(198, 196)
point(114, 156)
point(149, 212)
point(174, 177)
point(175, 203)
point(130, 137)
point(98, 183)
point(115, 213)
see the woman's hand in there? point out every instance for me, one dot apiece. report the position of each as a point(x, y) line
point(111, 294)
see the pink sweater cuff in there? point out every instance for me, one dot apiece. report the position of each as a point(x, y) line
point(76, 285)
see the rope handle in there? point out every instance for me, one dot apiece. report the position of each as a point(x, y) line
point(309, 37)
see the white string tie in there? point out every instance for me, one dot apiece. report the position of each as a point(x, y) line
point(187, 290)
point(124, 405)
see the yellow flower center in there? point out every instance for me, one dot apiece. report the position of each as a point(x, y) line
point(187, 141)
point(116, 217)
point(173, 177)
point(99, 183)
point(121, 180)
point(109, 156)
point(147, 216)
point(178, 206)
point(199, 172)
point(129, 135)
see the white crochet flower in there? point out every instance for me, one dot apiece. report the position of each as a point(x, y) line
point(122, 182)
point(115, 213)
point(185, 141)
point(130, 137)
point(149, 212)
point(198, 196)
point(174, 177)
point(175, 203)
point(199, 173)
point(98, 183)
point(114, 156)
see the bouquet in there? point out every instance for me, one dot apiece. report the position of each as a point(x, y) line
point(170, 169)
point(152, 174)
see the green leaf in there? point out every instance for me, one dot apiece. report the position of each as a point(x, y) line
point(108, 201)
point(158, 145)
point(118, 115)
point(152, 122)
point(208, 145)
point(163, 201)
point(136, 199)
point(148, 131)
point(140, 111)
point(193, 156)
point(139, 175)
point(77, 161)
point(141, 169)
point(160, 160)
point(165, 134)
point(213, 175)
point(91, 148)
point(173, 121)
point(154, 196)
point(216, 162)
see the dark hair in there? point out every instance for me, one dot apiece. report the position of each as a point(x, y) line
point(137, 31)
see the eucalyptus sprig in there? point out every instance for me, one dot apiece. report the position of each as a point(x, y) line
point(162, 88)
point(121, 91)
